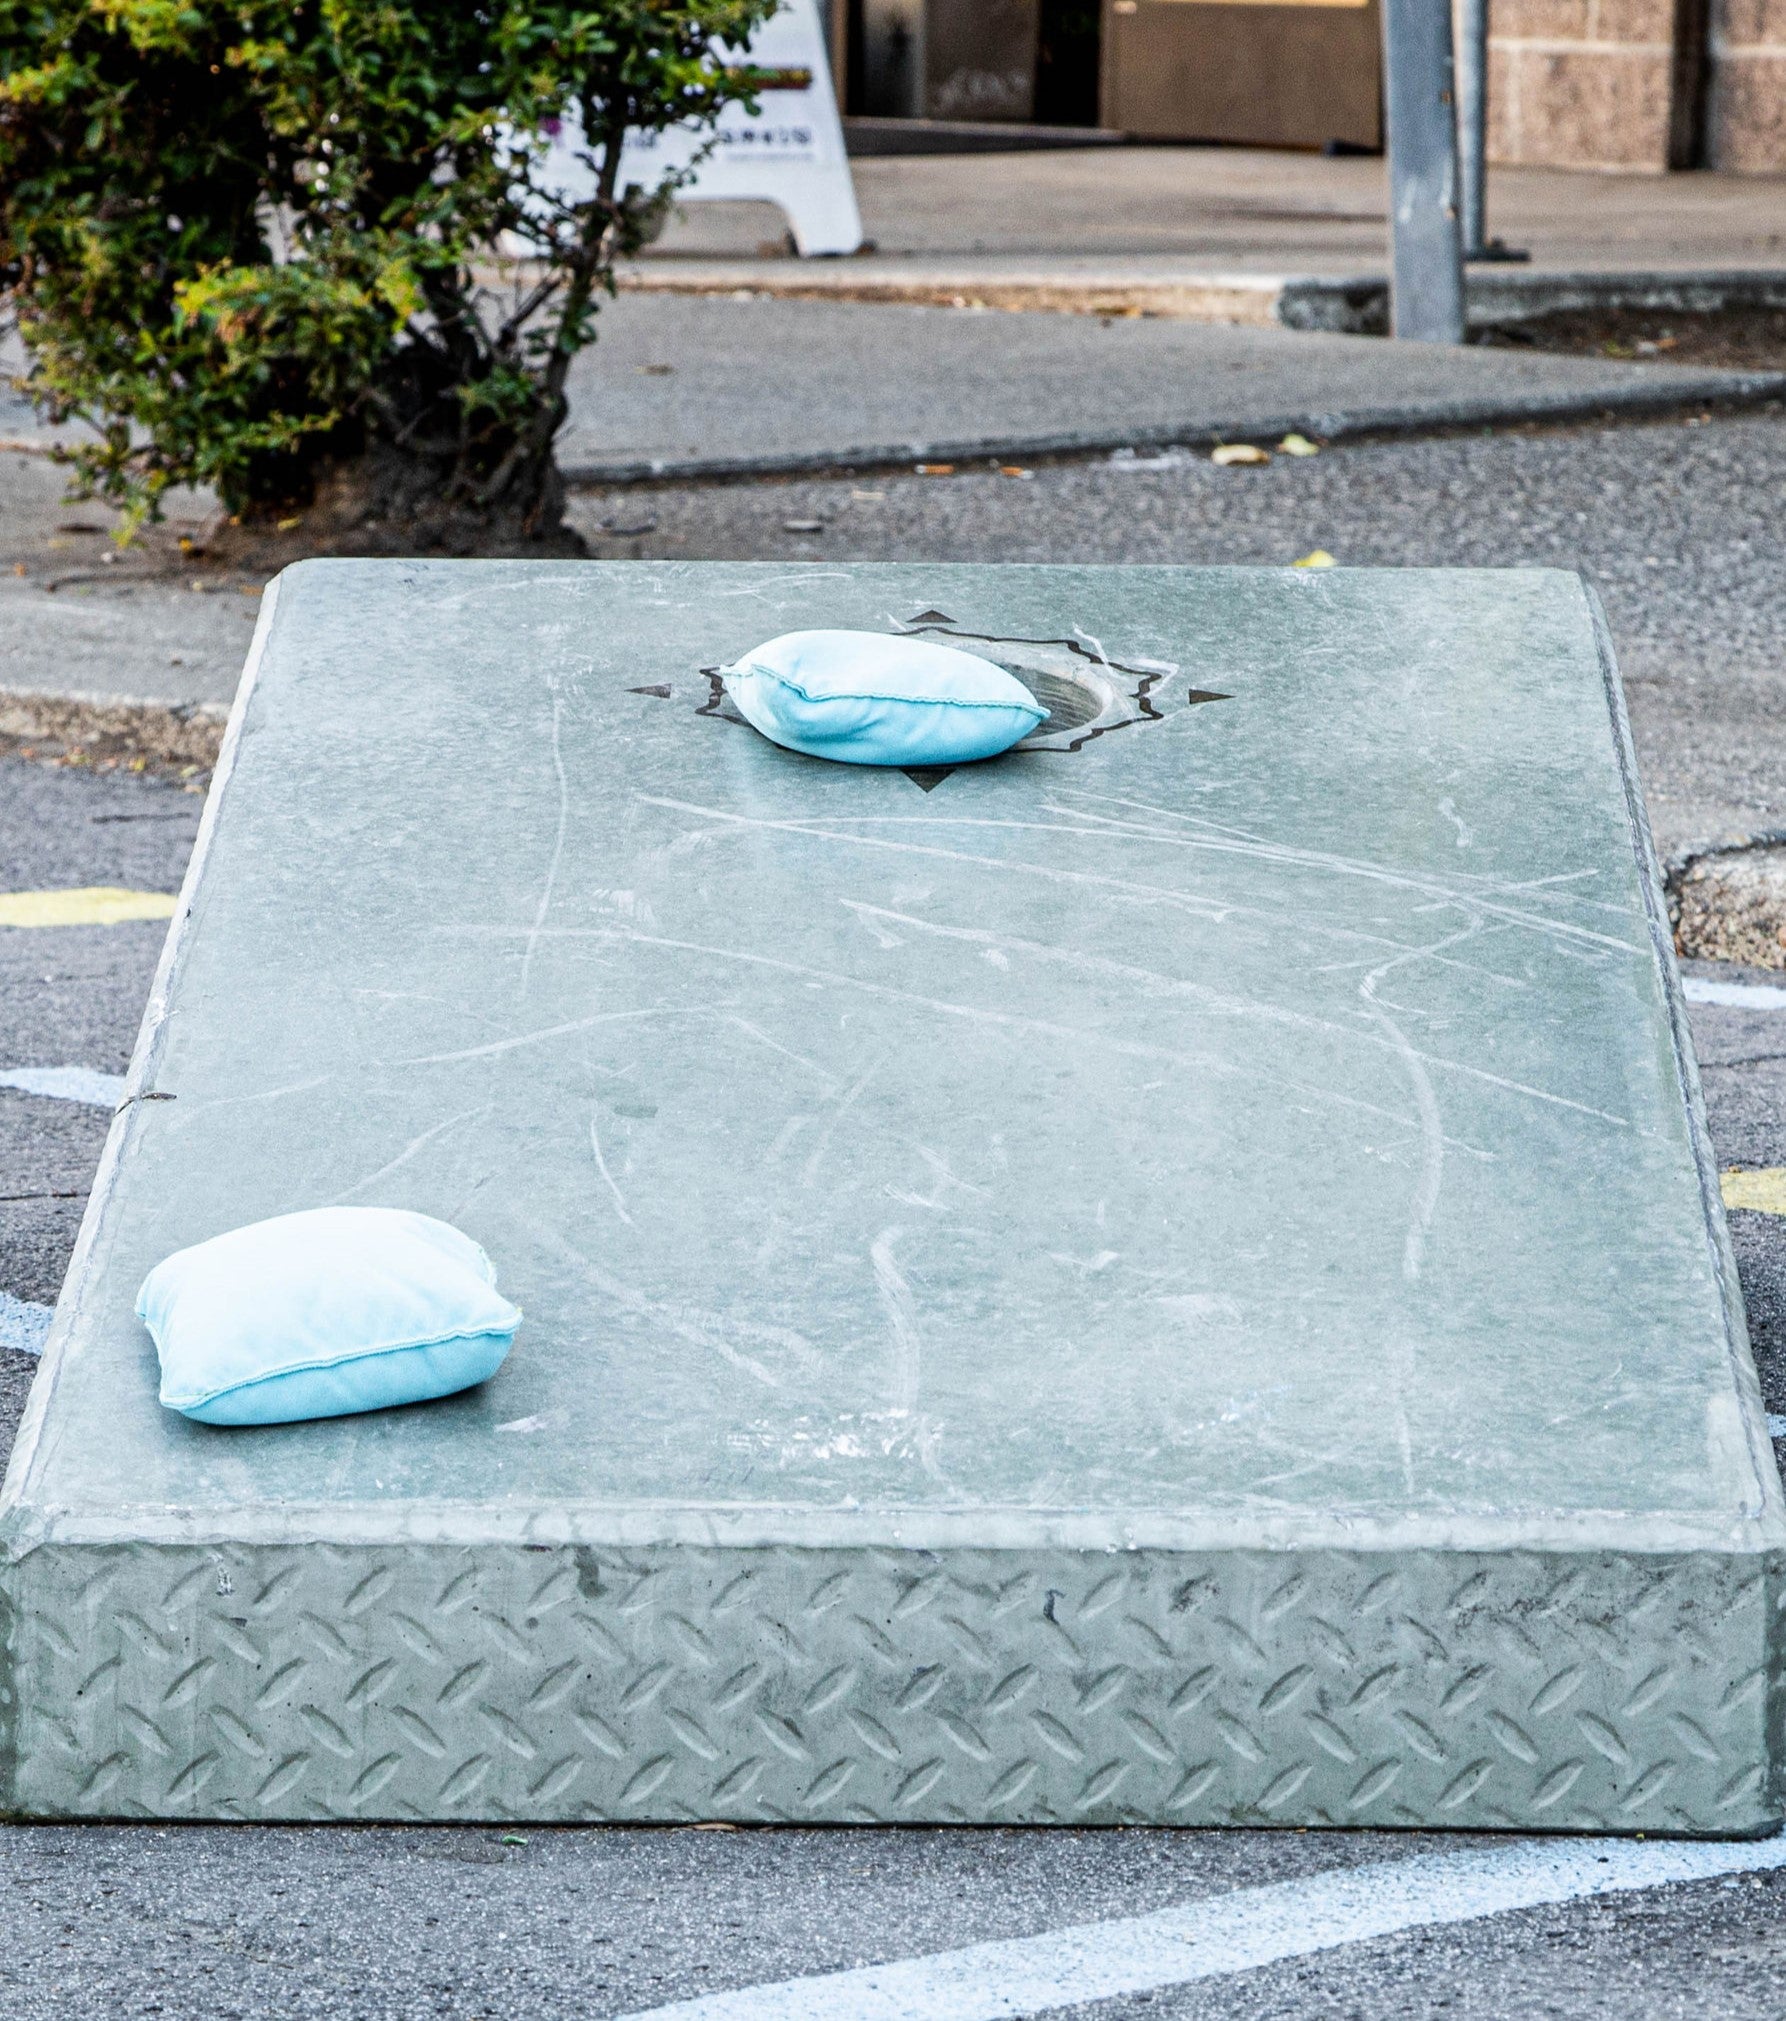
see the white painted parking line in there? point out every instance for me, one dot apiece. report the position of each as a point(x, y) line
point(1225, 1934)
point(1734, 995)
point(24, 1327)
point(66, 1084)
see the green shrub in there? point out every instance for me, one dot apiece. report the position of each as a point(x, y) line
point(260, 244)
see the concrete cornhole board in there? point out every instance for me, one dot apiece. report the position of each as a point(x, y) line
point(1174, 1276)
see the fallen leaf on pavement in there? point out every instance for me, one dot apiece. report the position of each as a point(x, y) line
point(1319, 558)
point(1239, 452)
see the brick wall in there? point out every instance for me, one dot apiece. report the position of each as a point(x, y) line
point(1638, 84)
point(1582, 83)
point(1746, 96)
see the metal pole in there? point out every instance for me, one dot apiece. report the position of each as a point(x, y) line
point(1472, 123)
point(1427, 275)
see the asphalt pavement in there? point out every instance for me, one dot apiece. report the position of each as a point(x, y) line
point(1679, 528)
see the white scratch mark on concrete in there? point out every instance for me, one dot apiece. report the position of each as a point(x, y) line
point(784, 1137)
point(265, 1094)
point(601, 1165)
point(536, 1038)
point(757, 590)
point(711, 1330)
point(810, 1176)
point(1209, 836)
point(762, 1038)
point(1097, 649)
point(1465, 836)
point(1087, 1266)
point(1432, 1147)
point(410, 1149)
point(1234, 1006)
point(865, 917)
point(902, 1317)
point(844, 830)
point(564, 803)
point(1133, 1049)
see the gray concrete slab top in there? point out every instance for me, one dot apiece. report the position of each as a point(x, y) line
point(1173, 1276)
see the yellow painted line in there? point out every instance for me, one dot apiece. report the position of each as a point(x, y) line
point(89, 905)
point(1760, 1192)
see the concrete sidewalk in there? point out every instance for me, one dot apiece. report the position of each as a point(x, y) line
point(1213, 232)
point(766, 386)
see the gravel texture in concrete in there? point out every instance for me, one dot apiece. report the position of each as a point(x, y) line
point(1733, 907)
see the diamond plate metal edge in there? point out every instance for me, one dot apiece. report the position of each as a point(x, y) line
point(575, 1683)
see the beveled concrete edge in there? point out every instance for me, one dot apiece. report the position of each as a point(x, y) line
point(539, 1524)
point(137, 1080)
point(1414, 417)
point(1746, 1381)
point(1495, 295)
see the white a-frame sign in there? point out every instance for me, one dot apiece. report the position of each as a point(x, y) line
point(790, 153)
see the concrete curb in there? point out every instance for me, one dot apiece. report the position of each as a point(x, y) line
point(1496, 296)
point(1251, 299)
point(1347, 304)
point(1688, 390)
point(162, 734)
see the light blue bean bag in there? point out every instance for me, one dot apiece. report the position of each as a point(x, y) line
point(867, 698)
point(320, 1314)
